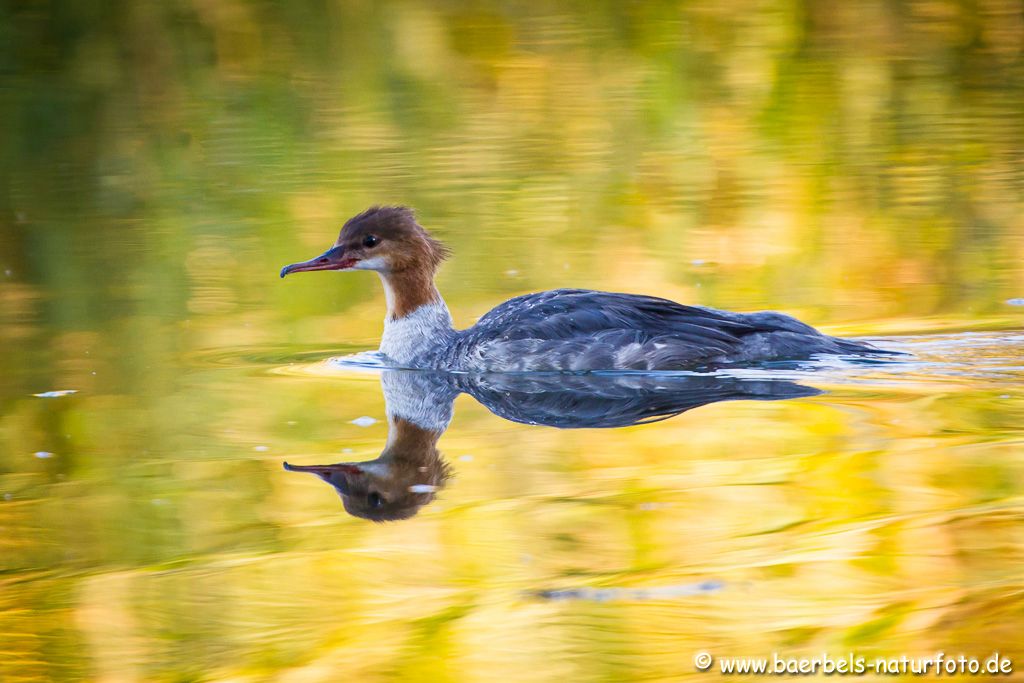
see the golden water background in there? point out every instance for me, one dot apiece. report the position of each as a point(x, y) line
point(859, 165)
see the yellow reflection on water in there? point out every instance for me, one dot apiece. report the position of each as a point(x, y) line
point(858, 165)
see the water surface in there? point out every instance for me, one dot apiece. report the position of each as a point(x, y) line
point(857, 165)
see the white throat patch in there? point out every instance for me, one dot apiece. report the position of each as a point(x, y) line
point(377, 263)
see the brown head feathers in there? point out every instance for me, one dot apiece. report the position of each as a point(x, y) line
point(388, 240)
point(393, 231)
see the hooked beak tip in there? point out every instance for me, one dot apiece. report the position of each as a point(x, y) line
point(332, 259)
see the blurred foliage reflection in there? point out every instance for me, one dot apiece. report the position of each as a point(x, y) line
point(858, 164)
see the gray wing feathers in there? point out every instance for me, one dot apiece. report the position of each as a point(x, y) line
point(571, 329)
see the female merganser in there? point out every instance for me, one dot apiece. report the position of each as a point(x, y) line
point(558, 330)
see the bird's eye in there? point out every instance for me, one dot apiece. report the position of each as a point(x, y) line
point(371, 241)
point(374, 500)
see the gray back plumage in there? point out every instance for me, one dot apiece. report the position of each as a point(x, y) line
point(575, 330)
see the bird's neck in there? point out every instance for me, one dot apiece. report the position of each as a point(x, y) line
point(408, 290)
point(417, 320)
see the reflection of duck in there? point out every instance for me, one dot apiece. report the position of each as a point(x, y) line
point(619, 400)
point(562, 329)
point(410, 469)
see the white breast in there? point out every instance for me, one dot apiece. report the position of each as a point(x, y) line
point(413, 335)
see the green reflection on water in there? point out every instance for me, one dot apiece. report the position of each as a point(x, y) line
point(859, 165)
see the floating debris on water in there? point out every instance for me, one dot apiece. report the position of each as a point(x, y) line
point(364, 421)
point(1019, 301)
point(466, 458)
point(422, 488)
point(512, 272)
point(261, 449)
point(346, 450)
point(57, 394)
point(654, 593)
point(43, 454)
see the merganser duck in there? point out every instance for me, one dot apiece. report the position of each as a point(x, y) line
point(568, 330)
point(419, 405)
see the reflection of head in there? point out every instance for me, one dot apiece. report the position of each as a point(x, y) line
point(394, 486)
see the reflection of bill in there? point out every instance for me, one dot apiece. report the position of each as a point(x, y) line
point(410, 469)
